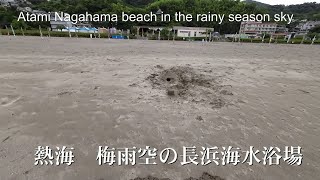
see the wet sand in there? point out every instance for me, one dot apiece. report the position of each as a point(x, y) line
point(85, 93)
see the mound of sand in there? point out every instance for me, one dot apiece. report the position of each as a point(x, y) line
point(192, 85)
point(205, 176)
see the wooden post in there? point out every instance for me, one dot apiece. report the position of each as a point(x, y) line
point(108, 32)
point(40, 31)
point(289, 39)
point(206, 34)
point(22, 31)
point(14, 34)
point(138, 31)
point(174, 35)
point(264, 35)
point(314, 38)
point(128, 34)
point(77, 36)
point(234, 37)
point(270, 39)
point(49, 32)
point(69, 32)
point(8, 33)
point(303, 39)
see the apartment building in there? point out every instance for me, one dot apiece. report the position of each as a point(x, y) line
point(253, 28)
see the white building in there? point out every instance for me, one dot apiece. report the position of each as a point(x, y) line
point(192, 31)
point(306, 26)
point(56, 22)
point(253, 28)
point(24, 9)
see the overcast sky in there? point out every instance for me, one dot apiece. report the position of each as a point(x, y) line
point(287, 2)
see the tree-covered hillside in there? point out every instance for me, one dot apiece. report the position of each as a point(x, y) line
point(308, 10)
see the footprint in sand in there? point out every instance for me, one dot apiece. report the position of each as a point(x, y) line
point(9, 100)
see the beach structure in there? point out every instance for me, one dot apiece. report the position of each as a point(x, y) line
point(81, 30)
point(182, 31)
point(175, 31)
point(141, 30)
point(14, 34)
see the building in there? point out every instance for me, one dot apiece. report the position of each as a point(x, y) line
point(6, 3)
point(24, 9)
point(56, 24)
point(281, 29)
point(192, 31)
point(306, 26)
point(9, 3)
point(61, 25)
point(254, 28)
point(68, 26)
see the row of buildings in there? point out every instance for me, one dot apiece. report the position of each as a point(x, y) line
point(304, 26)
point(258, 29)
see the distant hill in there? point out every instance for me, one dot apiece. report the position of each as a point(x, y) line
point(260, 4)
point(310, 11)
point(138, 2)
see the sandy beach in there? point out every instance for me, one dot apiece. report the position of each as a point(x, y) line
point(86, 93)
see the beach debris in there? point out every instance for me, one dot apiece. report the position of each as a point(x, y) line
point(159, 66)
point(65, 93)
point(199, 118)
point(171, 92)
point(133, 85)
point(226, 92)
point(304, 91)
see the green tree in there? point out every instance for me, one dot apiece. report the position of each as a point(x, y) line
point(6, 16)
point(315, 29)
point(19, 24)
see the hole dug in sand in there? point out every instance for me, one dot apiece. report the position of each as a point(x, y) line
point(191, 85)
